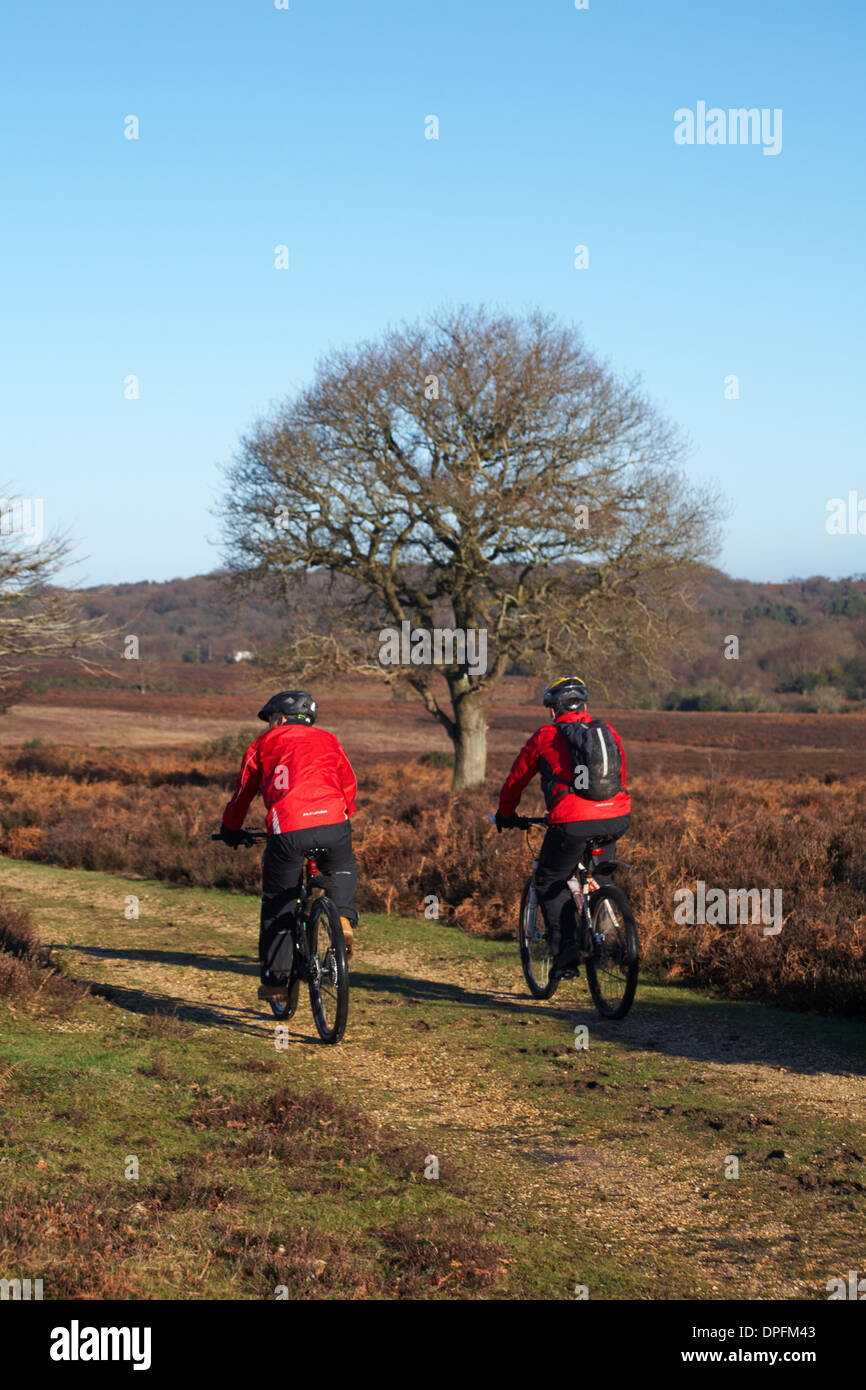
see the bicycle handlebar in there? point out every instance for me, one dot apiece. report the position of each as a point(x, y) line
point(520, 822)
point(252, 834)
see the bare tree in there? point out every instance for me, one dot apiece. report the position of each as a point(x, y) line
point(38, 619)
point(482, 472)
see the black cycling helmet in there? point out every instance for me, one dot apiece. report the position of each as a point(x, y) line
point(296, 705)
point(569, 692)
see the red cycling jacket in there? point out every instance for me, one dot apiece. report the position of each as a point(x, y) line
point(547, 752)
point(303, 775)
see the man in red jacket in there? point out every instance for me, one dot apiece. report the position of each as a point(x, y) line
point(572, 819)
point(308, 787)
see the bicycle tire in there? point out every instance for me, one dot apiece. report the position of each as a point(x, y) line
point(529, 939)
point(284, 1010)
point(328, 964)
point(624, 955)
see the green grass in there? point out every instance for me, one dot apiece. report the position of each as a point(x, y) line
point(304, 1168)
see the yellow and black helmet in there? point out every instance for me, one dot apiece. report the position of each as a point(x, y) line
point(569, 692)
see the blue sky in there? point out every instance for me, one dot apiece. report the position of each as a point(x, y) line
point(306, 127)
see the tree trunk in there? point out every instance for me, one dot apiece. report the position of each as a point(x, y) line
point(470, 737)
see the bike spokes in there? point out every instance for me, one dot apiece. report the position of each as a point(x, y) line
point(535, 955)
point(329, 971)
point(612, 969)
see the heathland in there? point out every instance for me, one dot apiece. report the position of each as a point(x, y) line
point(802, 644)
point(710, 1145)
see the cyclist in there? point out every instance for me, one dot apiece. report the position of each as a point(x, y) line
point(308, 787)
point(572, 818)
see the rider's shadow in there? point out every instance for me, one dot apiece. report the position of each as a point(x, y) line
point(239, 965)
point(437, 991)
point(724, 1031)
point(140, 1001)
point(148, 1002)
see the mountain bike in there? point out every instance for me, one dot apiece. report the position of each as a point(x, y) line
point(606, 934)
point(318, 953)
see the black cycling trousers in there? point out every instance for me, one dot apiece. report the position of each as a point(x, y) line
point(563, 846)
point(282, 873)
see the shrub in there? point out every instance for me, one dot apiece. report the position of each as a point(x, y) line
point(716, 696)
point(414, 839)
point(825, 700)
point(436, 758)
point(231, 747)
point(26, 972)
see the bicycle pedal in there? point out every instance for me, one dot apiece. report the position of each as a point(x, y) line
point(276, 992)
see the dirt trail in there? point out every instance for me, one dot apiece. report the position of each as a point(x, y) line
point(456, 1084)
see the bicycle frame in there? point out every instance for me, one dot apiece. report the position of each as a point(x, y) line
point(587, 885)
point(309, 894)
point(323, 967)
point(310, 891)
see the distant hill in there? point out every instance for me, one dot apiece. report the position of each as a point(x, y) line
point(189, 620)
point(802, 644)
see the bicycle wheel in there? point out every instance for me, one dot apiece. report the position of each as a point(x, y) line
point(612, 969)
point(329, 982)
point(284, 1009)
point(535, 956)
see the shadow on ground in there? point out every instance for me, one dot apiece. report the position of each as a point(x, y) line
point(238, 965)
point(722, 1031)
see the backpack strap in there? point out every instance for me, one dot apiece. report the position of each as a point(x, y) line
point(558, 787)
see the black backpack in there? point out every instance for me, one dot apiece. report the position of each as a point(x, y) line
point(596, 760)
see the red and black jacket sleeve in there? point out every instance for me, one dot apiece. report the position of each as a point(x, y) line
point(522, 772)
point(248, 783)
point(348, 780)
